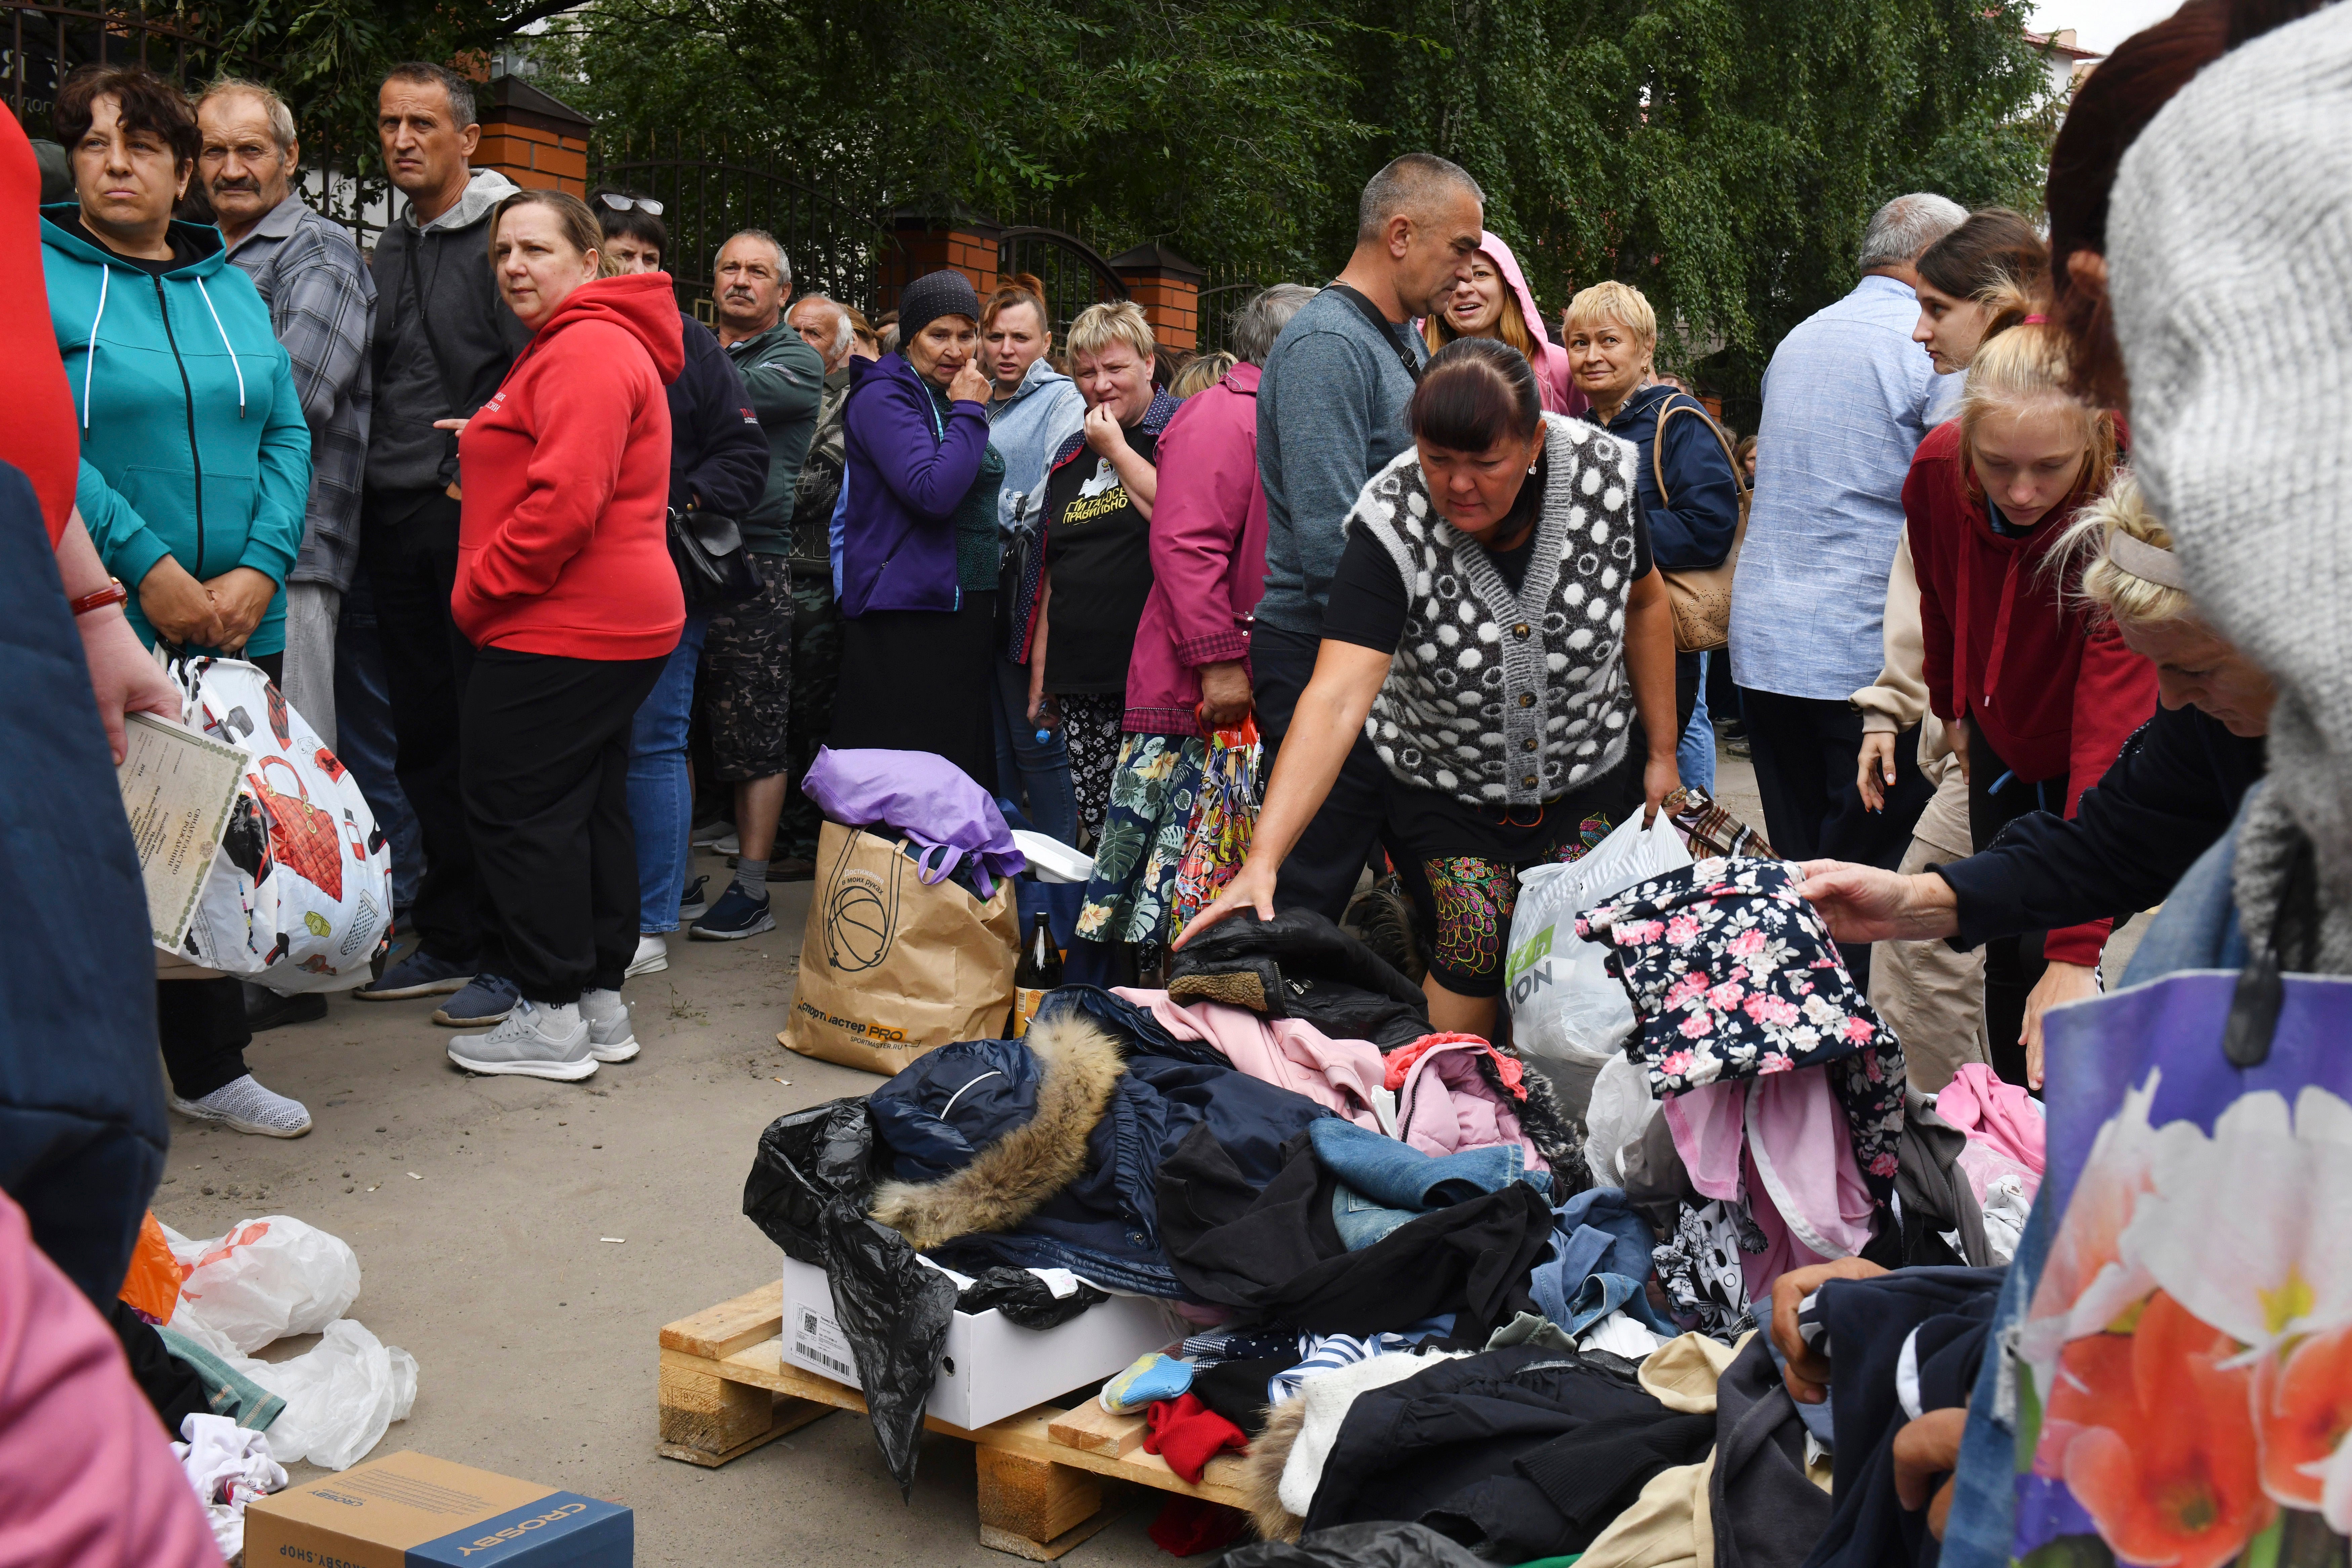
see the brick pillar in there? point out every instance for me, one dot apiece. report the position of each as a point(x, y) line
point(538, 142)
point(1168, 287)
point(925, 243)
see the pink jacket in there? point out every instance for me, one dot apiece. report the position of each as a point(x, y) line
point(1290, 1053)
point(1554, 380)
point(1445, 1105)
point(1208, 555)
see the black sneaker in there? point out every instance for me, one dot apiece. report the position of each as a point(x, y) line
point(735, 916)
point(265, 1009)
point(692, 905)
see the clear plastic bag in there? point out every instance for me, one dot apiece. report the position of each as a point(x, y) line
point(340, 1397)
point(1617, 1117)
point(1564, 1002)
point(265, 1279)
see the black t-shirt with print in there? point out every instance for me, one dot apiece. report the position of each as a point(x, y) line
point(1098, 548)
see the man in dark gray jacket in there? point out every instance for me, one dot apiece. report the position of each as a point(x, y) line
point(444, 341)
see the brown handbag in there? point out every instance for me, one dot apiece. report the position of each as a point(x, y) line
point(1701, 597)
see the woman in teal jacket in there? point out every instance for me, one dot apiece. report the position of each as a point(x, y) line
point(195, 462)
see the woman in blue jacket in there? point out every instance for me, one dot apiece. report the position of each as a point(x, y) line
point(195, 460)
point(914, 553)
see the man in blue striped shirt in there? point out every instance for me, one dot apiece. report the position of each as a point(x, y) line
point(1848, 398)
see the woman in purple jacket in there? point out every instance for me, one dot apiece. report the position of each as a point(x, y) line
point(1189, 670)
point(916, 562)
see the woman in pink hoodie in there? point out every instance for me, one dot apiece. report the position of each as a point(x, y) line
point(1494, 302)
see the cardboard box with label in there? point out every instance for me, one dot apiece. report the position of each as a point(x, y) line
point(410, 1510)
point(992, 1369)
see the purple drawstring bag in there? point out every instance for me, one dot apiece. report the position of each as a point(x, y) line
point(943, 814)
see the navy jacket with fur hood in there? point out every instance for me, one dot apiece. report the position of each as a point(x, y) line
point(1041, 1153)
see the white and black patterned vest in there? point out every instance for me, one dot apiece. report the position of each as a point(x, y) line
point(1498, 699)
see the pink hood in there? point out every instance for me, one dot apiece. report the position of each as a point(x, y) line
point(1560, 393)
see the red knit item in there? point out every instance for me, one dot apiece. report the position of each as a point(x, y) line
point(1399, 1061)
point(1188, 1434)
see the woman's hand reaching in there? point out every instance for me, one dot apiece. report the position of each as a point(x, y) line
point(1874, 770)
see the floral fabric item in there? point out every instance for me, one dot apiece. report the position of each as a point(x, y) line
point(1733, 975)
point(1225, 816)
point(1143, 839)
point(1699, 1269)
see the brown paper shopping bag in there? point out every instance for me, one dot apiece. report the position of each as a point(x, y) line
point(890, 968)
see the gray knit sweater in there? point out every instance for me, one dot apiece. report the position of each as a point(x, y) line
point(1504, 698)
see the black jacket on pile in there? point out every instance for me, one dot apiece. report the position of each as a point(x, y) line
point(1517, 1454)
point(2169, 797)
point(718, 453)
point(1768, 1513)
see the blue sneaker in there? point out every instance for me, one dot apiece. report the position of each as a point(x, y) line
point(691, 904)
point(487, 999)
point(735, 916)
point(418, 975)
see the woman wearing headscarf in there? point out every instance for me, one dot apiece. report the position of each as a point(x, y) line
point(917, 559)
point(1496, 660)
point(1493, 300)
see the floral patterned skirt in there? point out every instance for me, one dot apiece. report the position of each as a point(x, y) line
point(1141, 844)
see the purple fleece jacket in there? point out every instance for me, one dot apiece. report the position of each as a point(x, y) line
point(908, 469)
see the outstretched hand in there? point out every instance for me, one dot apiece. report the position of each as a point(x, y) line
point(1807, 1374)
point(1253, 888)
point(1863, 904)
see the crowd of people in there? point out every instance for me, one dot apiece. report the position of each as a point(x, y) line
point(2033, 543)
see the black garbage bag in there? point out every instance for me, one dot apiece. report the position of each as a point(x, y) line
point(1357, 1546)
point(808, 1189)
point(1026, 1300)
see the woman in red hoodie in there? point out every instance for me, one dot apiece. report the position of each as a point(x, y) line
point(565, 586)
point(2039, 695)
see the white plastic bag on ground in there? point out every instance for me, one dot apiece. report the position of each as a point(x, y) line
point(300, 891)
point(263, 1281)
point(1618, 1115)
point(340, 1397)
point(1564, 1002)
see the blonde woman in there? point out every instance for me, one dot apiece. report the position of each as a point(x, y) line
point(1492, 300)
point(1096, 548)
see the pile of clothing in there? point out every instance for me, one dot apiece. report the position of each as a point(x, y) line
point(1414, 1306)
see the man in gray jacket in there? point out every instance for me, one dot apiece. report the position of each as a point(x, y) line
point(1330, 414)
point(444, 341)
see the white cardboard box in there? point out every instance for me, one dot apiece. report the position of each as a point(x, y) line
point(992, 1369)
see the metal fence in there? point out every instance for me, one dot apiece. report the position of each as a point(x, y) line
point(708, 192)
point(1075, 274)
point(47, 42)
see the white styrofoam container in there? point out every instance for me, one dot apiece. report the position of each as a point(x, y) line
point(992, 1369)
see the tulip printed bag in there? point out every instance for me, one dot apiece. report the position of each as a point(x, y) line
point(2183, 1375)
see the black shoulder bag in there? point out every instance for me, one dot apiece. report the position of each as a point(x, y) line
point(713, 567)
point(1381, 325)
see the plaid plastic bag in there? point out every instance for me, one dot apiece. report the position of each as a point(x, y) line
point(1225, 815)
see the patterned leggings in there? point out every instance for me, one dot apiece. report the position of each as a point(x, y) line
point(1090, 721)
point(1475, 897)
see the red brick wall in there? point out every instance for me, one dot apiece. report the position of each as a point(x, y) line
point(924, 251)
point(1170, 303)
point(533, 158)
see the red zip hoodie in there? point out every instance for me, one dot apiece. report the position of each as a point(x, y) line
point(564, 545)
point(2054, 692)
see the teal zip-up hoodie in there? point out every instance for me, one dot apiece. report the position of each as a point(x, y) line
point(192, 439)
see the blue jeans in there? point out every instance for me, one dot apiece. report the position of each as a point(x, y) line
point(661, 789)
point(1695, 754)
point(1040, 771)
point(363, 737)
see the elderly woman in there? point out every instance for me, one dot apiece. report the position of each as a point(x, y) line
point(1683, 466)
point(566, 590)
point(916, 558)
point(1496, 627)
point(1189, 670)
point(195, 462)
point(1095, 541)
point(1493, 300)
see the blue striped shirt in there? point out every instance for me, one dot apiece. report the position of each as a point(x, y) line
point(1848, 398)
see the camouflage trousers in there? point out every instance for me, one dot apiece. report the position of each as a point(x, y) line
point(816, 670)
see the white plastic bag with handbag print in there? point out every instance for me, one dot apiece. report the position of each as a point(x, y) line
point(299, 896)
point(1564, 1002)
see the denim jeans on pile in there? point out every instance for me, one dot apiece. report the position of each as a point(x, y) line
point(661, 790)
point(1385, 1182)
point(1600, 1255)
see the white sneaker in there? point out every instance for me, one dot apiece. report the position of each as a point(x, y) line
point(731, 845)
point(610, 1037)
point(533, 1041)
point(244, 1106)
point(653, 954)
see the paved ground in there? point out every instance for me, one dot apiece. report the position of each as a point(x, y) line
point(478, 1207)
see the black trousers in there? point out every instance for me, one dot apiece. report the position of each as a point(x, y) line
point(1322, 869)
point(1806, 752)
point(2014, 964)
point(545, 743)
point(200, 1024)
point(410, 541)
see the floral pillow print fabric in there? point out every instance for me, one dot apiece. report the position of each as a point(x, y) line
point(1732, 976)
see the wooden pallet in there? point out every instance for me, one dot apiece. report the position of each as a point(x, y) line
point(726, 1390)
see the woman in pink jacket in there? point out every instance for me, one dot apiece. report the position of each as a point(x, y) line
point(1494, 302)
point(1189, 671)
